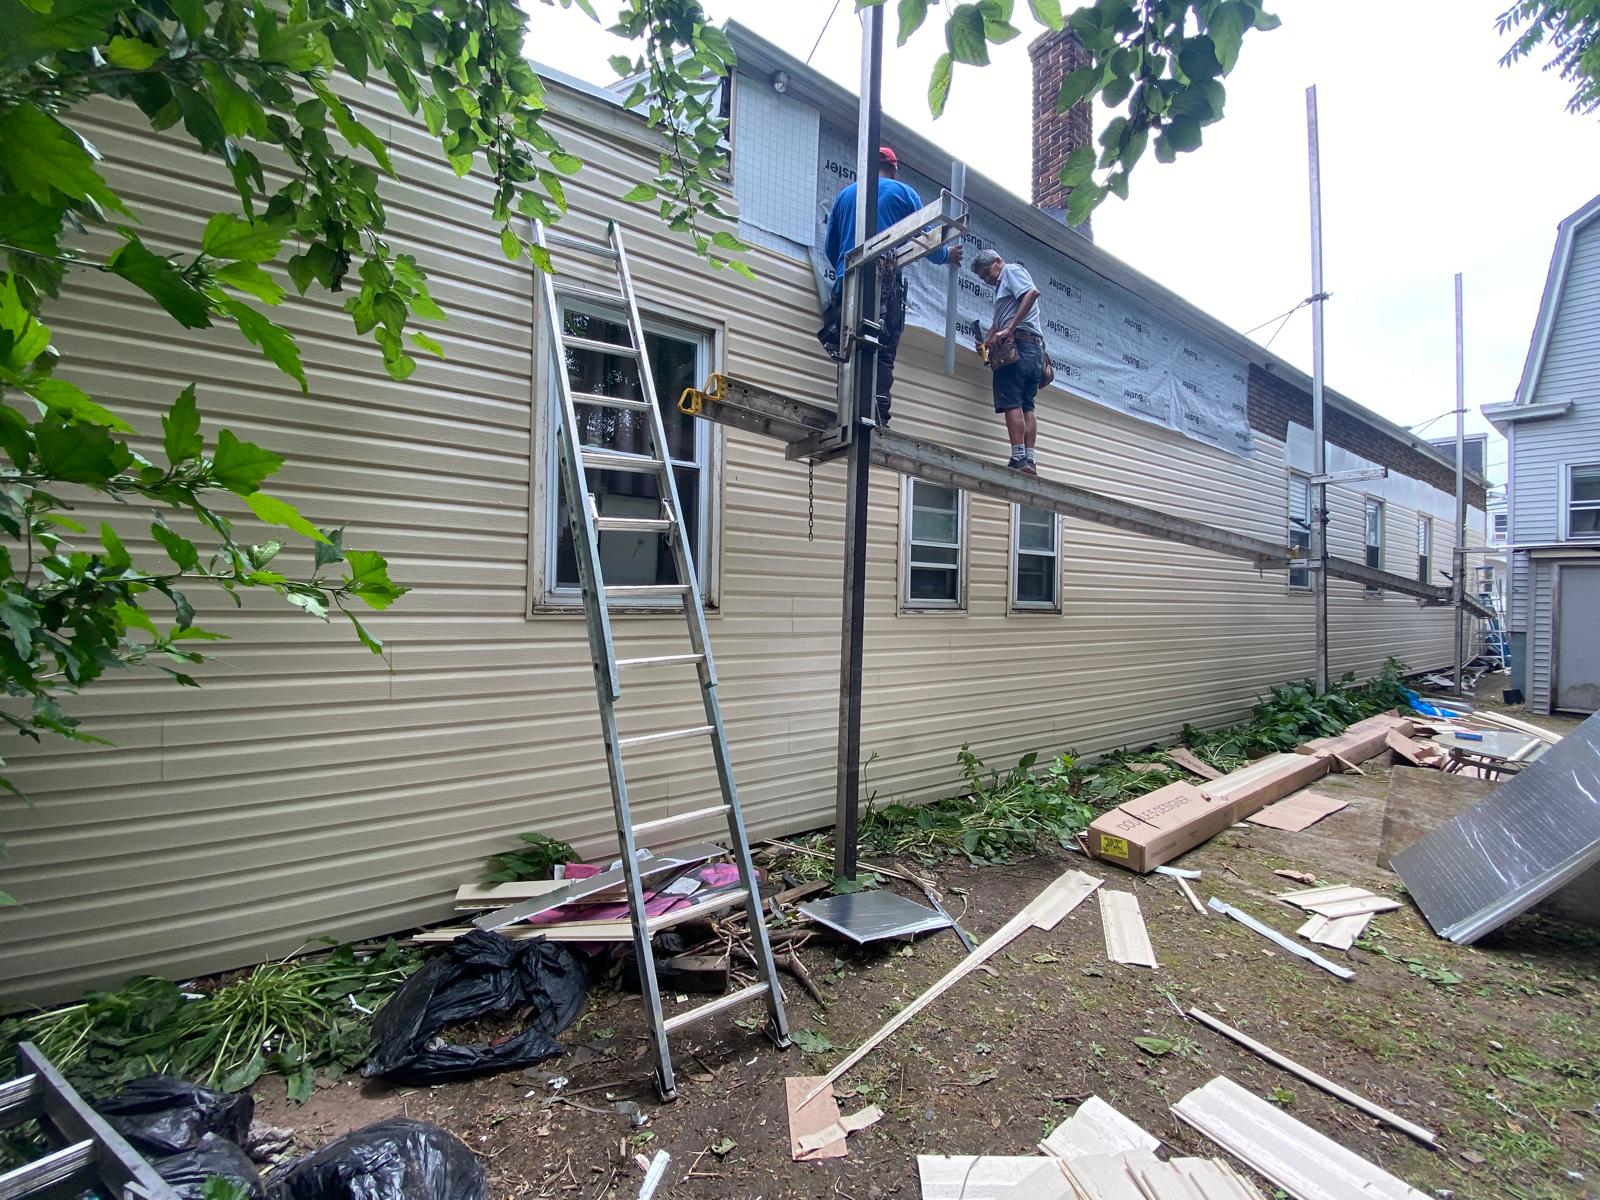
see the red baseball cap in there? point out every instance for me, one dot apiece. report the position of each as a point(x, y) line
point(886, 155)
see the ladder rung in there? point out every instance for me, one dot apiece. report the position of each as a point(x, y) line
point(629, 591)
point(602, 249)
point(581, 291)
point(661, 660)
point(671, 735)
point(19, 1099)
point(617, 460)
point(679, 819)
point(600, 401)
point(720, 1004)
point(698, 909)
point(51, 1171)
point(633, 524)
point(599, 347)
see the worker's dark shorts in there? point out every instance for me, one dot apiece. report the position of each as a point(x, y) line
point(1016, 384)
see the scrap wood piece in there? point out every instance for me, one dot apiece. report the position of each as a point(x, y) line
point(973, 1177)
point(1178, 872)
point(1109, 1176)
point(1188, 894)
point(1044, 911)
point(1127, 939)
point(1097, 1128)
point(1412, 750)
point(1297, 876)
point(654, 1175)
point(1339, 1092)
point(1295, 813)
point(1330, 893)
point(834, 1134)
point(1338, 932)
point(1193, 763)
point(1193, 1179)
point(1356, 907)
point(1290, 1153)
point(1288, 944)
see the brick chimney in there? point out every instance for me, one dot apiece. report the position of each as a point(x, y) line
point(1056, 135)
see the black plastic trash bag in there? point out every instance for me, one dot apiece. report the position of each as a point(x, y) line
point(188, 1172)
point(481, 974)
point(160, 1115)
point(393, 1160)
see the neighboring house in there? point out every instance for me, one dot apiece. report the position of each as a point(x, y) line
point(1553, 486)
point(307, 790)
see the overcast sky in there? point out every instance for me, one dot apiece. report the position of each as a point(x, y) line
point(1435, 159)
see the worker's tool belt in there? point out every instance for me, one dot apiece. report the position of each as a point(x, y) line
point(1026, 335)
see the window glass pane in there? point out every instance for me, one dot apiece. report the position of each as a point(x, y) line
point(933, 526)
point(626, 558)
point(1424, 536)
point(1500, 522)
point(1299, 498)
point(1036, 529)
point(929, 555)
point(933, 495)
point(933, 583)
point(1374, 524)
point(1036, 579)
point(1585, 521)
point(1585, 483)
point(675, 363)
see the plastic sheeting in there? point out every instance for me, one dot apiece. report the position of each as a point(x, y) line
point(1537, 832)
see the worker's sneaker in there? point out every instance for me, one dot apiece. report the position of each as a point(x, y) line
point(1018, 463)
point(1028, 467)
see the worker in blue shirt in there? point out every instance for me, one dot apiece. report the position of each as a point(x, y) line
point(896, 201)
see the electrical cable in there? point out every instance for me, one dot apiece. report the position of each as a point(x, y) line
point(823, 32)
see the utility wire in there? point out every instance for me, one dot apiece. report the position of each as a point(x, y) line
point(824, 31)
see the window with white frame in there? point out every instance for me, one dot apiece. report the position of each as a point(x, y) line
point(1424, 548)
point(934, 525)
point(1299, 530)
point(1583, 501)
point(1374, 523)
point(1035, 559)
point(1500, 522)
point(679, 357)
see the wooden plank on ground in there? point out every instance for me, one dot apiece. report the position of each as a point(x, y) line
point(1127, 939)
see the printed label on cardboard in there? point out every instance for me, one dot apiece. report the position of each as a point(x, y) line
point(1114, 846)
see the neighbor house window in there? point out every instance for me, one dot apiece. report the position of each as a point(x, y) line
point(679, 357)
point(1035, 558)
point(1499, 527)
point(1583, 502)
point(1375, 540)
point(934, 529)
point(1299, 531)
point(1424, 548)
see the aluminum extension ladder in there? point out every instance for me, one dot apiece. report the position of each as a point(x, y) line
point(587, 525)
point(89, 1154)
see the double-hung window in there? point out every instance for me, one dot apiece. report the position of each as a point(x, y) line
point(1583, 501)
point(1299, 531)
point(1424, 548)
point(679, 357)
point(935, 523)
point(1374, 525)
point(1035, 559)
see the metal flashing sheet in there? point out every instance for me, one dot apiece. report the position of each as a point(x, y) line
point(1291, 1154)
point(1538, 831)
point(1097, 1128)
point(973, 1177)
point(871, 916)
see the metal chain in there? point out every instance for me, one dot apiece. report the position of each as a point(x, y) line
point(811, 499)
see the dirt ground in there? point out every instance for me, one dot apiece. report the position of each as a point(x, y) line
point(1495, 1047)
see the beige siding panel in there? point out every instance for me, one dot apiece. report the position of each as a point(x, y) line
point(308, 790)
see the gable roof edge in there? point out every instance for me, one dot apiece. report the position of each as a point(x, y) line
point(1555, 281)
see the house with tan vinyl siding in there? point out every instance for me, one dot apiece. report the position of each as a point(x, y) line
point(308, 789)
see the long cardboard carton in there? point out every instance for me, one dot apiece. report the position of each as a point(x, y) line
point(1145, 832)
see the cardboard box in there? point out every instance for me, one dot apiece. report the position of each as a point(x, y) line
point(1252, 788)
point(1149, 830)
point(1361, 741)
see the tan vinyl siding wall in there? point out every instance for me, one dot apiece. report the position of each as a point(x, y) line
point(308, 791)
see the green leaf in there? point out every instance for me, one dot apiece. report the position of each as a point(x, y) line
point(357, 134)
point(249, 278)
point(1183, 133)
point(1082, 202)
point(275, 342)
point(351, 52)
point(567, 164)
point(133, 615)
point(1079, 167)
point(131, 53)
point(939, 85)
point(279, 512)
point(510, 243)
point(192, 13)
point(41, 153)
point(1198, 58)
point(179, 549)
point(228, 236)
point(421, 339)
point(330, 550)
point(727, 241)
point(1226, 27)
point(1266, 20)
point(31, 226)
point(1047, 13)
point(912, 15)
point(6, 898)
point(78, 453)
point(740, 268)
point(241, 466)
point(367, 640)
point(1154, 1045)
point(70, 402)
point(33, 31)
point(964, 34)
point(1078, 86)
point(161, 279)
point(369, 579)
point(181, 427)
point(200, 118)
point(621, 64)
point(639, 194)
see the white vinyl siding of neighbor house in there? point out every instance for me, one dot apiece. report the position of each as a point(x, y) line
point(1543, 452)
point(308, 790)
